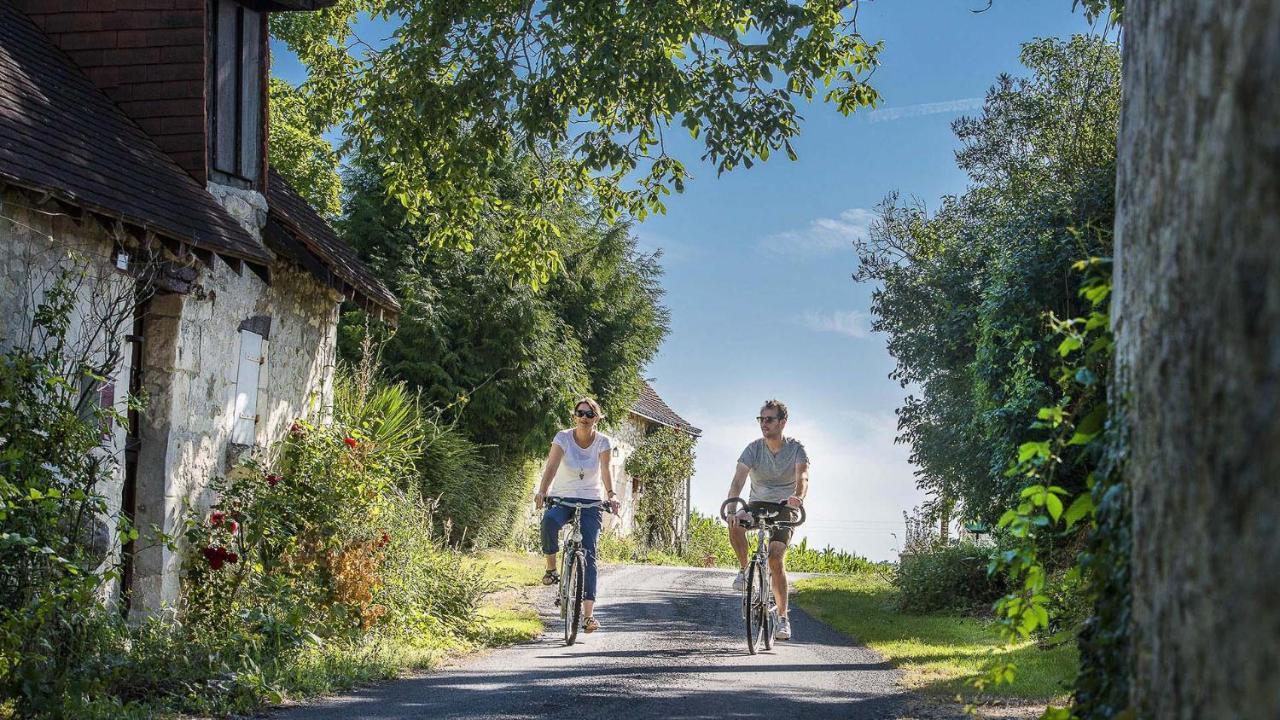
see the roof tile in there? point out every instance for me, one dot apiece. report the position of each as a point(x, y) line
point(296, 215)
point(60, 134)
point(649, 405)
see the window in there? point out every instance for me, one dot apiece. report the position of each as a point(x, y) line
point(235, 93)
point(244, 428)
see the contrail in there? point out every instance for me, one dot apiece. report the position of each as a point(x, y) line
point(937, 108)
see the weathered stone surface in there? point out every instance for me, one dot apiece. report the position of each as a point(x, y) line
point(248, 207)
point(1197, 317)
point(39, 244)
point(192, 359)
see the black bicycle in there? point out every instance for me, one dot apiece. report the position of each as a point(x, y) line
point(573, 567)
point(758, 609)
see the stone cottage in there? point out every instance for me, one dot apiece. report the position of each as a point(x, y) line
point(133, 137)
point(647, 414)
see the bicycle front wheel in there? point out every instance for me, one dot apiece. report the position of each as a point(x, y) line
point(573, 580)
point(753, 607)
point(766, 603)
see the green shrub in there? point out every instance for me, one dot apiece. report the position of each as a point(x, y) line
point(948, 577)
point(55, 539)
point(327, 544)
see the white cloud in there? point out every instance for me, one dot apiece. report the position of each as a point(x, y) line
point(860, 481)
point(935, 108)
point(824, 235)
point(853, 323)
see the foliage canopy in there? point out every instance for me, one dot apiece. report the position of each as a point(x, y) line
point(458, 88)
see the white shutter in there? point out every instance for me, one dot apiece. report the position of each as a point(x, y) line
point(245, 422)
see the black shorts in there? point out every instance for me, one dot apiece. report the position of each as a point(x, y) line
point(778, 534)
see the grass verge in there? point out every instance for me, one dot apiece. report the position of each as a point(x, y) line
point(937, 653)
point(511, 568)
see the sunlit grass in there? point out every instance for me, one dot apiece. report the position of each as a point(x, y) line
point(512, 568)
point(937, 653)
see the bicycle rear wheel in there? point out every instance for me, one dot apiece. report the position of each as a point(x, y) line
point(573, 596)
point(753, 606)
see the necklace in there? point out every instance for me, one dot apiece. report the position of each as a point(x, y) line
point(582, 472)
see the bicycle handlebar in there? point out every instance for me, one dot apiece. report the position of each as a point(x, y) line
point(551, 500)
point(766, 514)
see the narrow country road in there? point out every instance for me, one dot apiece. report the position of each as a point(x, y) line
point(671, 646)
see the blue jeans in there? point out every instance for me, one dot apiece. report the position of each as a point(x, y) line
point(592, 518)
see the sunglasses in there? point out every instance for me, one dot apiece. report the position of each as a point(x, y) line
point(585, 413)
point(762, 419)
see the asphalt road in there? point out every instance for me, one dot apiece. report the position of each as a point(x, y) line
point(671, 646)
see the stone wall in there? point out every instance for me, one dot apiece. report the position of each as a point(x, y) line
point(627, 437)
point(41, 244)
point(191, 365)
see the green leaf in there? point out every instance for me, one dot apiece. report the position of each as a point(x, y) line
point(1029, 450)
point(1006, 518)
point(1080, 507)
point(1054, 505)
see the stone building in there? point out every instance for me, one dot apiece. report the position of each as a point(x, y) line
point(133, 141)
point(647, 414)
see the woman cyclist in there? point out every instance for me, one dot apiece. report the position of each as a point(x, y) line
point(577, 466)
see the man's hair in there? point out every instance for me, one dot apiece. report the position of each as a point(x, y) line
point(777, 405)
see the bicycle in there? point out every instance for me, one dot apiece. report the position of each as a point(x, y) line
point(572, 567)
point(758, 609)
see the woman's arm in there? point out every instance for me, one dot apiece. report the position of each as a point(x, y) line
point(553, 464)
point(606, 474)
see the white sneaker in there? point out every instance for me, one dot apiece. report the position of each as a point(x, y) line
point(783, 631)
point(740, 582)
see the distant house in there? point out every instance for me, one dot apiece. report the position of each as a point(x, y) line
point(133, 139)
point(648, 413)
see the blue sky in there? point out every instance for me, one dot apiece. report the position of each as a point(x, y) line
point(758, 265)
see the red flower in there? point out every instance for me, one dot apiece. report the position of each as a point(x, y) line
point(351, 442)
point(384, 540)
point(297, 429)
point(215, 556)
point(273, 479)
point(216, 518)
point(233, 527)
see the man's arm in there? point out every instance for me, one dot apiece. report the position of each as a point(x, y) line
point(735, 489)
point(802, 485)
point(739, 480)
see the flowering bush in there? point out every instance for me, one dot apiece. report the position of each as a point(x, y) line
point(322, 542)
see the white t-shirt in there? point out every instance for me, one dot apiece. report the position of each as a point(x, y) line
point(579, 473)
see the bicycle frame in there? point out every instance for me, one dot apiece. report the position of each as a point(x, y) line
point(573, 564)
point(759, 610)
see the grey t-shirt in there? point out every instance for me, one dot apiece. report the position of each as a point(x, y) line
point(773, 476)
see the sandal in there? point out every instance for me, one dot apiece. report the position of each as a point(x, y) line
point(551, 577)
point(591, 624)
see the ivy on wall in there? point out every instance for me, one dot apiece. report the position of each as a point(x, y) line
point(663, 462)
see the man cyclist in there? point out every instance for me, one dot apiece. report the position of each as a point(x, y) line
point(779, 470)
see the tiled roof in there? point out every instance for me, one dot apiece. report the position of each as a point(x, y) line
point(652, 407)
point(304, 226)
point(60, 134)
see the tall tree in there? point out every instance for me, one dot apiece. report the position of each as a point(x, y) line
point(1197, 319)
point(515, 354)
point(299, 151)
point(963, 292)
point(459, 86)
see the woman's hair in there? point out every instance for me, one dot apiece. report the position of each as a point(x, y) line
point(594, 405)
